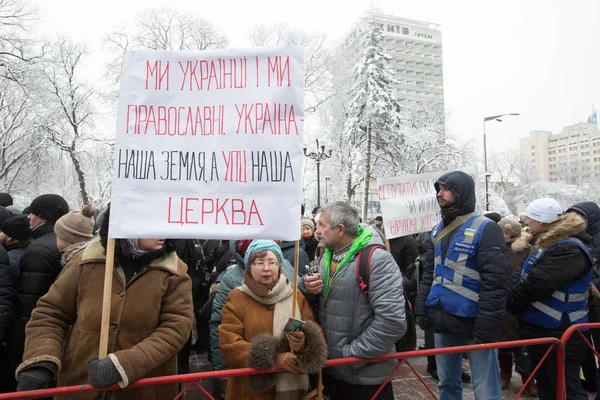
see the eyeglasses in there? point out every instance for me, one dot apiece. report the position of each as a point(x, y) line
point(270, 264)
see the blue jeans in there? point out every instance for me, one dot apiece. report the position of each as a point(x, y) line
point(484, 370)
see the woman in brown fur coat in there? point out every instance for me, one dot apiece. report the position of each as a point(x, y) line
point(251, 334)
point(151, 317)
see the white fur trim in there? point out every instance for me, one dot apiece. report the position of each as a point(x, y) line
point(125, 381)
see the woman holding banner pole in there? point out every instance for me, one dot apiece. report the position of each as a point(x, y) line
point(151, 318)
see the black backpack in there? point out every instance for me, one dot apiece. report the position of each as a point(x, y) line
point(408, 341)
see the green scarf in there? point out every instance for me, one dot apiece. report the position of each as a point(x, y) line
point(364, 237)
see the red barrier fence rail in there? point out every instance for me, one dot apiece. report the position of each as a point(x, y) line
point(193, 379)
point(561, 388)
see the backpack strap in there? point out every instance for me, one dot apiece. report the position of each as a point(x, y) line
point(363, 266)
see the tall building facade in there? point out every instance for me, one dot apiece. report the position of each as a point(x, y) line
point(576, 150)
point(415, 48)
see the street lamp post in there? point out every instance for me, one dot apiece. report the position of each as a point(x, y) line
point(319, 156)
point(327, 179)
point(487, 174)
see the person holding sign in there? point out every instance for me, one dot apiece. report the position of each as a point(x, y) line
point(151, 317)
point(358, 321)
point(464, 288)
point(257, 330)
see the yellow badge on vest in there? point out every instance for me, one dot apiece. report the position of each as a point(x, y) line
point(469, 232)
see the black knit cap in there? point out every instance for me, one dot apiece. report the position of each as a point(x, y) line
point(6, 200)
point(16, 227)
point(49, 207)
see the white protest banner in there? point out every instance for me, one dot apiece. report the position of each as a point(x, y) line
point(409, 203)
point(209, 145)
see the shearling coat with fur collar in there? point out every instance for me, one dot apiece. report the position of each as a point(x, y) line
point(558, 266)
point(244, 344)
point(151, 318)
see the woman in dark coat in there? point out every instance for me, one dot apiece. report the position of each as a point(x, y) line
point(518, 244)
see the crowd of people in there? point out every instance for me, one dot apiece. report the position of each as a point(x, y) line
point(473, 279)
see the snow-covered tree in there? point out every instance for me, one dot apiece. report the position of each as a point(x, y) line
point(566, 194)
point(71, 111)
point(318, 56)
point(374, 113)
point(160, 29)
point(421, 143)
point(17, 47)
point(20, 142)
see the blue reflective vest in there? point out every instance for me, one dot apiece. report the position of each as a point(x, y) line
point(456, 283)
point(570, 298)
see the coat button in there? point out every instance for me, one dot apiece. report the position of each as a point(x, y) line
point(270, 308)
point(114, 324)
point(121, 294)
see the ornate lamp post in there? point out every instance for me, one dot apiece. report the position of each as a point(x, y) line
point(319, 156)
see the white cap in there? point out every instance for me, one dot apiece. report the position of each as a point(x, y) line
point(544, 210)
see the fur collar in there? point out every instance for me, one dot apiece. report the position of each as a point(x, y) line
point(569, 225)
point(523, 242)
point(94, 252)
point(71, 250)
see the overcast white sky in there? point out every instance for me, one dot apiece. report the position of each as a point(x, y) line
point(537, 58)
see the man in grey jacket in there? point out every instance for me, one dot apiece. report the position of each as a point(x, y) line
point(355, 325)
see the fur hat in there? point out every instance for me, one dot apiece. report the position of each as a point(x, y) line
point(49, 207)
point(6, 200)
point(16, 227)
point(76, 226)
point(308, 222)
point(544, 210)
point(511, 227)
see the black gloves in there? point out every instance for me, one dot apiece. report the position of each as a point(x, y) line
point(103, 372)
point(36, 376)
point(423, 322)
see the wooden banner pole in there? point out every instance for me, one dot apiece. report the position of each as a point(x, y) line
point(295, 294)
point(106, 298)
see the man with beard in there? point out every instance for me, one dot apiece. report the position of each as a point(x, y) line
point(464, 288)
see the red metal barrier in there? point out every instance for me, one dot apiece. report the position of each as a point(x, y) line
point(192, 379)
point(561, 388)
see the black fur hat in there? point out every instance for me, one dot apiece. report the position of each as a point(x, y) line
point(49, 207)
point(6, 200)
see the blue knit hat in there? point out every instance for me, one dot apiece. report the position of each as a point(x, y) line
point(263, 245)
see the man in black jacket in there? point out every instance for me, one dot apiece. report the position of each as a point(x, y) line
point(464, 288)
point(7, 294)
point(38, 268)
point(552, 292)
point(15, 237)
point(591, 213)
